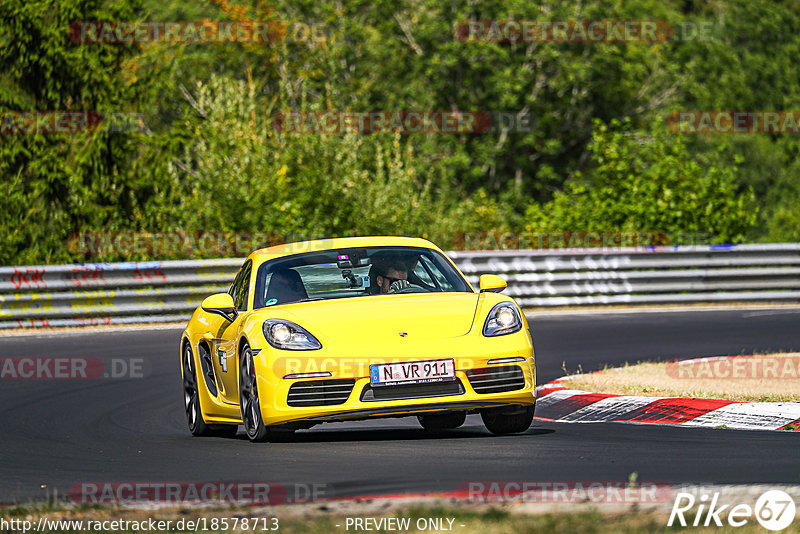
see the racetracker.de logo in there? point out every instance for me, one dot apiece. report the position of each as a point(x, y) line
point(564, 31)
point(241, 493)
point(70, 368)
point(734, 122)
point(184, 244)
point(69, 122)
point(593, 491)
point(567, 239)
point(777, 366)
point(386, 121)
point(297, 367)
point(208, 31)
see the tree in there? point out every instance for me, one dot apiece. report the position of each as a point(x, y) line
point(55, 184)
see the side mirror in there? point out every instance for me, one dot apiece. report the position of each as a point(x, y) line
point(492, 282)
point(221, 304)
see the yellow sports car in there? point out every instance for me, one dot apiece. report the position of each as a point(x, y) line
point(356, 328)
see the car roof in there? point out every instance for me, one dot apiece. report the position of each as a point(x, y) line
point(288, 249)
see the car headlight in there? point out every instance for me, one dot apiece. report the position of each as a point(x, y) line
point(286, 335)
point(503, 319)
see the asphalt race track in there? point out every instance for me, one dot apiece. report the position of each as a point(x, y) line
point(58, 433)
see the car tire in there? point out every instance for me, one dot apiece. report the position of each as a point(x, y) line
point(191, 401)
point(499, 421)
point(439, 422)
point(249, 403)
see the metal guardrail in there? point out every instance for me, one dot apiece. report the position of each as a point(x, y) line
point(657, 275)
point(120, 293)
point(109, 293)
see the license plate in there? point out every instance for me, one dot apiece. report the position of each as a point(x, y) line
point(423, 372)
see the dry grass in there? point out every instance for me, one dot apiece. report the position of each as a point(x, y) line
point(766, 377)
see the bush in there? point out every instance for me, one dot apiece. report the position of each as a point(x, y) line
point(648, 183)
point(241, 174)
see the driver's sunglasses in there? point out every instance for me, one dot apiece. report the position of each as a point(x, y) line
point(391, 280)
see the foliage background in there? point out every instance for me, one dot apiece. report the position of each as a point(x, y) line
point(598, 155)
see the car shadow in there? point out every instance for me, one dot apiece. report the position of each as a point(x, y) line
point(320, 435)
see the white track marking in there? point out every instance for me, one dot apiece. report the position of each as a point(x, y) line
point(608, 409)
point(750, 416)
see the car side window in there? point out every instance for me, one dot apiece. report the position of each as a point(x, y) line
point(235, 284)
point(241, 286)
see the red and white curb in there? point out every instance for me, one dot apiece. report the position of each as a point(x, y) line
point(557, 403)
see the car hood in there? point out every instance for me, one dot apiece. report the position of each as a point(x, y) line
point(384, 317)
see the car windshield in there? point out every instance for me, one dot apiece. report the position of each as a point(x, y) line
point(333, 274)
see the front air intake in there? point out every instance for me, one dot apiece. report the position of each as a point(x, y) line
point(496, 379)
point(412, 391)
point(320, 393)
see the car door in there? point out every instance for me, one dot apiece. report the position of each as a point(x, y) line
point(224, 347)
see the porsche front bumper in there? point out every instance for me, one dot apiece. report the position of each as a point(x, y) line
point(356, 398)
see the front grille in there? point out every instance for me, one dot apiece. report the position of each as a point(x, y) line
point(412, 391)
point(320, 392)
point(496, 379)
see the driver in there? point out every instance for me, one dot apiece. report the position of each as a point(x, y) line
point(387, 276)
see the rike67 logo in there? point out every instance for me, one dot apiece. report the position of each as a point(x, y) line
point(774, 510)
